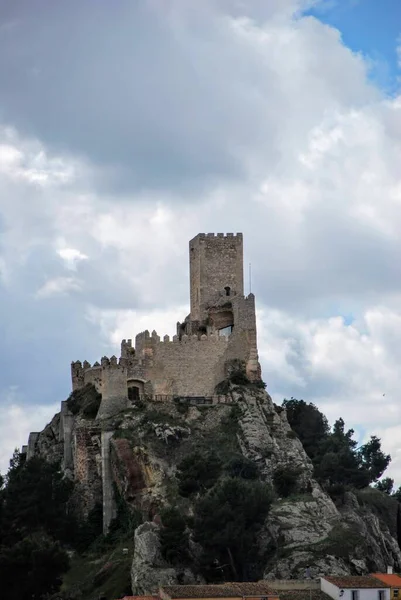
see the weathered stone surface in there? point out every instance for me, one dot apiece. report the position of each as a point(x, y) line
point(149, 569)
point(170, 433)
point(306, 529)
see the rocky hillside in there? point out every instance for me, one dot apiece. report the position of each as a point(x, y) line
point(155, 448)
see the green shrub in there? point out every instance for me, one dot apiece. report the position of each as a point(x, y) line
point(85, 401)
point(240, 466)
point(285, 480)
point(174, 537)
point(197, 472)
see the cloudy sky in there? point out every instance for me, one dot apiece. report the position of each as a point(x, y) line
point(128, 127)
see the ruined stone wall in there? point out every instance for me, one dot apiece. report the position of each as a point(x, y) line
point(77, 375)
point(190, 367)
point(109, 506)
point(66, 426)
point(94, 376)
point(215, 262)
point(242, 343)
point(87, 467)
point(114, 387)
point(32, 441)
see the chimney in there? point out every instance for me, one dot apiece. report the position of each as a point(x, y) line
point(389, 570)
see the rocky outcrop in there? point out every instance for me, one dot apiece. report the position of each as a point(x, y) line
point(307, 529)
point(149, 569)
point(304, 529)
point(49, 444)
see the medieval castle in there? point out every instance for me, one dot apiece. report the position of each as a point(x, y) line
point(220, 328)
point(219, 332)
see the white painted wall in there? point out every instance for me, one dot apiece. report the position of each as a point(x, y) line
point(364, 594)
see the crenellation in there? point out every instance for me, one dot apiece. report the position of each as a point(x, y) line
point(217, 335)
point(220, 329)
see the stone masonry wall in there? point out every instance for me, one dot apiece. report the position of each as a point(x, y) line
point(215, 262)
point(87, 467)
point(114, 387)
point(93, 375)
point(190, 367)
point(243, 340)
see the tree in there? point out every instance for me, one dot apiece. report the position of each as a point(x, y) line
point(240, 466)
point(226, 523)
point(397, 495)
point(197, 473)
point(32, 567)
point(285, 480)
point(35, 498)
point(309, 424)
point(173, 536)
point(33, 516)
point(373, 458)
point(340, 462)
point(385, 485)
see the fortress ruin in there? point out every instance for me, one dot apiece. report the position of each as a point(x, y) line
point(220, 329)
point(218, 335)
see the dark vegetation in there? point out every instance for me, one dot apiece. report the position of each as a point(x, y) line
point(85, 401)
point(339, 463)
point(218, 500)
point(230, 505)
point(38, 529)
point(34, 529)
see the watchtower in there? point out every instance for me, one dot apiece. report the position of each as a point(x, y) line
point(216, 269)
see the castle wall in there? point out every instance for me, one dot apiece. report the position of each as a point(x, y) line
point(66, 425)
point(114, 387)
point(242, 343)
point(87, 466)
point(77, 375)
point(216, 262)
point(32, 440)
point(109, 508)
point(190, 367)
point(94, 375)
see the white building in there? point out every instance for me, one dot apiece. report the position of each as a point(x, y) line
point(355, 588)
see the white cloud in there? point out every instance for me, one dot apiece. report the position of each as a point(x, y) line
point(17, 419)
point(71, 257)
point(263, 123)
point(59, 285)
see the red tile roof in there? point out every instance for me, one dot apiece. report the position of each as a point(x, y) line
point(225, 590)
point(140, 597)
point(363, 581)
point(392, 579)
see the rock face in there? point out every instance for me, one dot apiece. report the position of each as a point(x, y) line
point(149, 570)
point(305, 529)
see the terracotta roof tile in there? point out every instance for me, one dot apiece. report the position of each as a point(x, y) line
point(303, 595)
point(392, 579)
point(225, 590)
point(363, 581)
point(140, 597)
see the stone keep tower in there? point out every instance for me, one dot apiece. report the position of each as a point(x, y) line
point(216, 265)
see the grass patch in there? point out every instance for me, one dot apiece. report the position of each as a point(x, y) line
point(108, 573)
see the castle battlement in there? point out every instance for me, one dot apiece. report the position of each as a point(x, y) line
point(203, 236)
point(220, 329)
